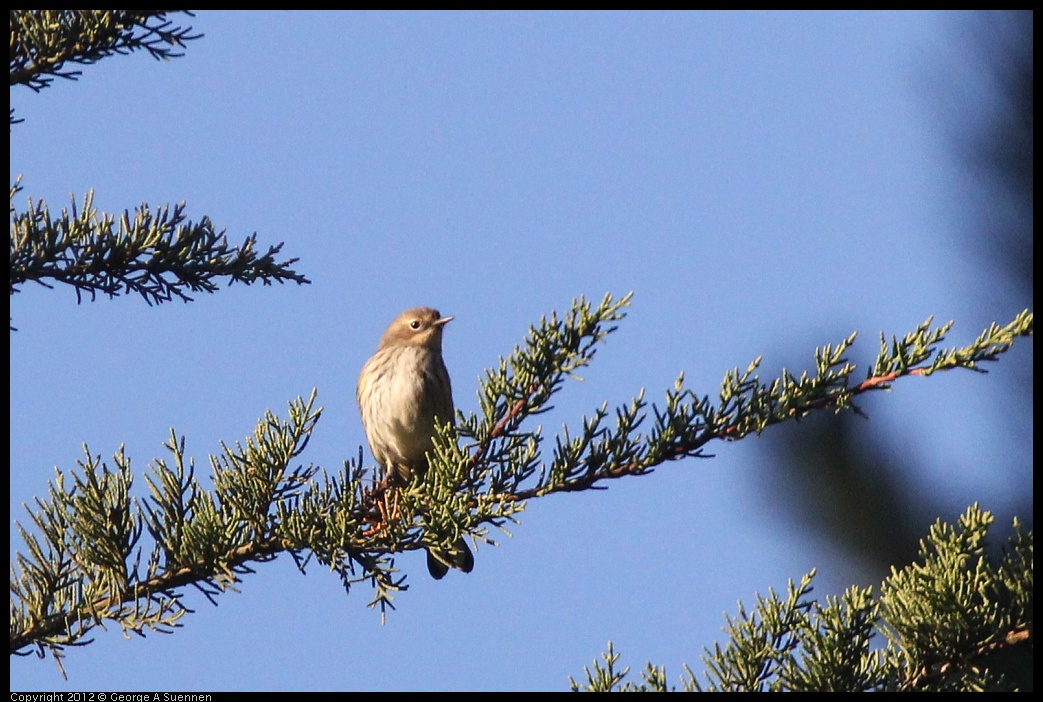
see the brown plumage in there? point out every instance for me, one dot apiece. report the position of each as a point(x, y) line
point(403, 392)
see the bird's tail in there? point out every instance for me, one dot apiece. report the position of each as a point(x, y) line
point(459, 556)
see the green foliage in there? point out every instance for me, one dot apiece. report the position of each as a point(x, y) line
point(957, 607)
point(85, 569)
point(950, 622)
point(101, 554)
point(44, 41)
point(605, 677)
point(158, 255)
point(154, 252)
point(686, 422)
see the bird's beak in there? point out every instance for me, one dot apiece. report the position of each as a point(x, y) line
point(443, 320)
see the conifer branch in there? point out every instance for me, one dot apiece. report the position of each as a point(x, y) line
point(43, 42)
point(504, 455)
point(84, 568)
point(951, 622)
point(160, 254)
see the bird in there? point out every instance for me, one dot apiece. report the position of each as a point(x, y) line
point(403, 393)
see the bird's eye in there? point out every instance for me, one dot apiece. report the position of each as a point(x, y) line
point(415, 324)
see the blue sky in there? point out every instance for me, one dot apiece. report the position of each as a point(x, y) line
point(765, 183)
